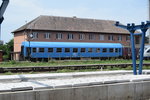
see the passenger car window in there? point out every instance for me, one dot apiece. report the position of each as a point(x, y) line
point(41, 49)
point(98, 50)
point(111, 50)
point(50, 49)
point(104, 50)
point(59, 50)
point(116, 50)
point(75, 49)
point(67, 49)
point(82, 49)
point(33, 49)
point(89, 49)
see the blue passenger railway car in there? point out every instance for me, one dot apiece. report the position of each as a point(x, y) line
point(70, 50)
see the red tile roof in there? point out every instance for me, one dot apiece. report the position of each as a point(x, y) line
point(53, 23)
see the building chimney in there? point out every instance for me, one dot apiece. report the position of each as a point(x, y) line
point(74, 16)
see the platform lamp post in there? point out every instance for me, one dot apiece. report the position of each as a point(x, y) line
point(132, 29)
point(30, 36)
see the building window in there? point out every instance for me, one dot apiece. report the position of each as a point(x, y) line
point(50, 49)
point(33, 49)
point(81, 36)
point(119, 38)
point(70, 36)
point(75, 49)
point(128, 38)
point(47, 35)
point(101, 37)
point(59, 36)
point(35, 35)
point(67, 49)
point(82, 49)
point(110, 37)
point(91, 36)
point(41, 49)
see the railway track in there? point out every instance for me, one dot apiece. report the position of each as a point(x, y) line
point(55, 68)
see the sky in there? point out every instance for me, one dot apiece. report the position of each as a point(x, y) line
point(19, 12)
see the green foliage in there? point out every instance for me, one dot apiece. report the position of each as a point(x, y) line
point(64, 70)
point(5, 57)
point(7, 49)
point(12, 62)
point(79, 62)
point(8, 73)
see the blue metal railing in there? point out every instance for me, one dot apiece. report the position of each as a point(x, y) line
point(132, 28)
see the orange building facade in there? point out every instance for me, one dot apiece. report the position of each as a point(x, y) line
point(65, 29)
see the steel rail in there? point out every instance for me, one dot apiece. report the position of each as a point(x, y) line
point(70, 67)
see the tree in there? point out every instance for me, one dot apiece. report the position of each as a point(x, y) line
point(7, 49)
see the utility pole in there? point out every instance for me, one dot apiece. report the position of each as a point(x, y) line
point(2, 10)
point(149, 18)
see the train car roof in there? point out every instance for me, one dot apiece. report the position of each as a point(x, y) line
point(72, 44)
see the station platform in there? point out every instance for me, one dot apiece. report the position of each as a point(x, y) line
point(25, 82)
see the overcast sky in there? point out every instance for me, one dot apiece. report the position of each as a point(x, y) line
point(21, 11)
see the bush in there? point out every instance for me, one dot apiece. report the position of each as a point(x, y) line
point(12, 62)
point(5, 57)
point(7, 49)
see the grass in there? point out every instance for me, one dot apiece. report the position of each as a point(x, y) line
point(56, 63)
point(61, 62)
point(77, 62)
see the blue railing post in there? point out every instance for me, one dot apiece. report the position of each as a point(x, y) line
point(133, 53)
point(132, 28)
point(142, 51)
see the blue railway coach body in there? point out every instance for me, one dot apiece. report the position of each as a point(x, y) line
point(70, 49)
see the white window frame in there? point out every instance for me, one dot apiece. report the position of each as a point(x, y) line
point(59, 36)
point(81, 36)
point(110, 37)
point(120, 38)
point(128, 38)
point(70, 36)
point(47, 35)
point(91, 36)
point(101, 37)
point(35, 35)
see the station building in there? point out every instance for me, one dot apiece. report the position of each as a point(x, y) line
point(69, 29)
